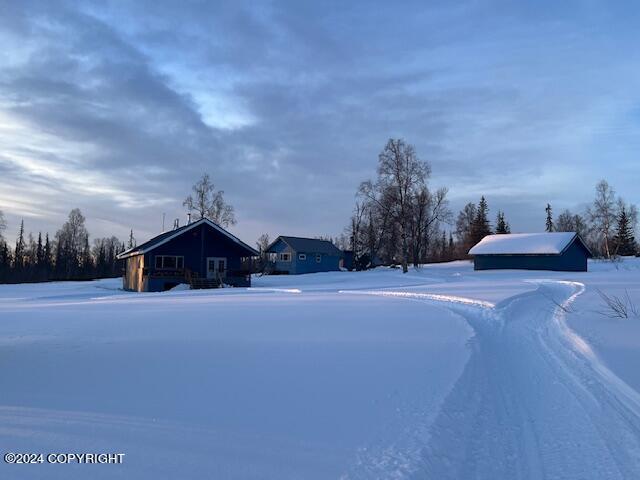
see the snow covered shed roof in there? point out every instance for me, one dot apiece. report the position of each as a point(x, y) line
point(308, 245)
point(554, 243)
point(170, 235)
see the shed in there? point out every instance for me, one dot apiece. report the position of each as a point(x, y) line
point(560, 251)
point(201, 253)
point(296, 255)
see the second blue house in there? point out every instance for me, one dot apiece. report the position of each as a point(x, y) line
point(296, 255)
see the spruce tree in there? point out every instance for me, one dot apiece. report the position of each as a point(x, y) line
point(502, 226)
point(20, 249)
point(101, 260)
point(4, 255)
point(31, 258)
point(132, 241)
point(46, 257)
point(39, 252)
point(60, 266)
point(549, 222)
point(5, 260)
point(481, 226)
point(86, 261)
point(624, 240)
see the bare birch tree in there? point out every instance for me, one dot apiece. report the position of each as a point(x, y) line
point(400, 176)
point(209, 203)
point(602, 214)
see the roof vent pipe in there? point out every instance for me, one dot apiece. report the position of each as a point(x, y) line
point(176, 223)
point(188, 218)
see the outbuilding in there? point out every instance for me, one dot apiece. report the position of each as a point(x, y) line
point(296, 255)
point(201, 254)
point(560, 251)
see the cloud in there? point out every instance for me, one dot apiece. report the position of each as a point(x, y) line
point(118, 107)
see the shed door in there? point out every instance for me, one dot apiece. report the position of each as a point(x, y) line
point(216, 267)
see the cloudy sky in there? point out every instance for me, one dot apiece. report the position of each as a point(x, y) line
point(117, 108)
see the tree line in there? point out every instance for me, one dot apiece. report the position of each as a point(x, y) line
point(607, 225)
point(399, 219)
point(67, 256)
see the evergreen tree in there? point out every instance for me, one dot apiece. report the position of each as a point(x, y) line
point(502, 226)
point(100, 255)
point(60, 267)
point(132, 241)
point(32, 253)
point(40, 252)
point(5, 260)
point(480, 227)
point(549, 221)
point(20, 250)
point(624, 240)
point(46, 257)
point(86, 261)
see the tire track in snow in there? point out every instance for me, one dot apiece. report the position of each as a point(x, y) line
point(534, 402)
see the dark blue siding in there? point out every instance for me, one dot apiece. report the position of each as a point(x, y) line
point(195, 246)
point(573, 259)
point(283, 267)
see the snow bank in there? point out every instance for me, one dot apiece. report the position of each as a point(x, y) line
point(440, 373)
point(227, 383)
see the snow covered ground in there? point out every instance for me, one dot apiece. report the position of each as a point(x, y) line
point(440, 373)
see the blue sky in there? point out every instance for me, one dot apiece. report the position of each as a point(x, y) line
point(117, 108)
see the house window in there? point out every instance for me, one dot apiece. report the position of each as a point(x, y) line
point(318, 257)
point(169, 262)
point(285, 257)
point(302, 256)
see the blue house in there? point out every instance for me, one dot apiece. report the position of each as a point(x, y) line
point(201, 253)
point(561, 251)
point(295, 255)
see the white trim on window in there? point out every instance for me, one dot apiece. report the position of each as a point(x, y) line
point(302, 256)
point(284, 257)
point(169, 262)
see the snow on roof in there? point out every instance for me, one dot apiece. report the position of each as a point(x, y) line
point(524, 243)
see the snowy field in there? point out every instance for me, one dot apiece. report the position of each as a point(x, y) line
point(442, 373)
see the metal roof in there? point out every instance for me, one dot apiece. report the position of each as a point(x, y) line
point(170, 235)
point(308, 245)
